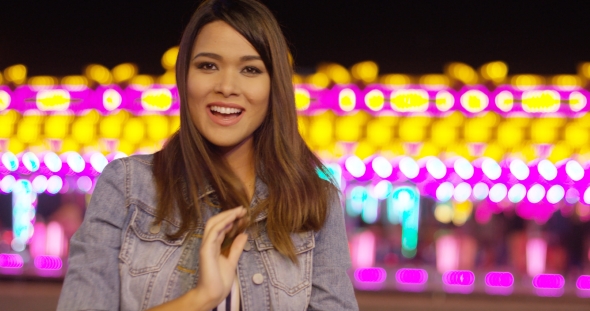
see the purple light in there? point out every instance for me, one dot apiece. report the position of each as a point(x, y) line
point(499, 279)
point(370, 275)
point(12, 261)
point(48, 262)
point(549, 281)
point(583, 282)
point(458, 277)
point(411, 276)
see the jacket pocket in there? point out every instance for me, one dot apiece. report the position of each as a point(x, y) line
point(283, 273)
point(145, 246)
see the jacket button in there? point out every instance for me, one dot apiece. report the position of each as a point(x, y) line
point(257, 278)
point(247, 246)
point(155, 229)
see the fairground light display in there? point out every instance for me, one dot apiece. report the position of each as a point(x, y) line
point(467, 181)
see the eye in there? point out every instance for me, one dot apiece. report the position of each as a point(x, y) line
point(251, 70)
point(207, 66)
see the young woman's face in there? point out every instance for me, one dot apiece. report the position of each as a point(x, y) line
point(228, 86)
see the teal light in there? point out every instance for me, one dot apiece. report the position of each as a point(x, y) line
point(355, 200)
point(334, 174)
point(370, 211)
point(404, 206)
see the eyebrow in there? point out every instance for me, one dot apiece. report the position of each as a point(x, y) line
point(218, 57)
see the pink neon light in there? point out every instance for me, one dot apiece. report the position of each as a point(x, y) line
point(364, 245)
point(447, 253)
point(458, 277)
point(550, 281)
point(536, 253)
point(499, 279)
point(411, 276)
point(55, 239)
point(38, 242)
point(12, 261)
point(583, 282)
point(48, 263)
point(370, 275)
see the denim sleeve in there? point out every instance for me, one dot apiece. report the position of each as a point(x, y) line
point(92, 280)
point(331, 286)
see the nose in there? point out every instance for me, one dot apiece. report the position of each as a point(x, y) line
point(226, 84)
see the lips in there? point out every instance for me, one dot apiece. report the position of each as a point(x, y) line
point(225, 114)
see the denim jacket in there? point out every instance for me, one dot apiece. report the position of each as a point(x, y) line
point(120, 260)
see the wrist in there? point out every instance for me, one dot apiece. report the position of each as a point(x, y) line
point(198, 301)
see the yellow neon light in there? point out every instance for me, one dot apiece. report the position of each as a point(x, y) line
point(111, 99)
point(409, 100)
point(302, 99)
point(347, 100)
point(53, 100)
point(540, 101)
point(577, 101)
point(505, 101)
point(474, 101)
point(156, 99)
point(4, 100)
point(444, 101)
point(374, 100)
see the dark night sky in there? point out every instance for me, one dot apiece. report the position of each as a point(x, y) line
point(544, 37)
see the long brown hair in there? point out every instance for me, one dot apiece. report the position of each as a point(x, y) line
point(297, 197)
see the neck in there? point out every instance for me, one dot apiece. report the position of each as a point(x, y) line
point(240, 159)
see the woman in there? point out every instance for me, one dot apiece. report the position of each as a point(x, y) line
point(231, 212)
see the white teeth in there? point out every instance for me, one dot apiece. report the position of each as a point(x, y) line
point(225, 110)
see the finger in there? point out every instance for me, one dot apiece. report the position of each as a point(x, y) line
point(224, 217)
point(237, 248)
point(217, 232)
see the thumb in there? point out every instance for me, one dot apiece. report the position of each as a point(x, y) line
point(237, 247)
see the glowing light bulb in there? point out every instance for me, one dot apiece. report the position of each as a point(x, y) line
point(463, 168)
point(409, 167)
point(491, 169)
point(519, 169)
point(355, 166)
point(436, 168)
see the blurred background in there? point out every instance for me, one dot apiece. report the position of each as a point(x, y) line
point(458, 132)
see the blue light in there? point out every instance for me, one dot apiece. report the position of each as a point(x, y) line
point(30, 161)
point(334, 171)
point(356, 198)
point(370, 211)
point(10, 161)
point(382, 189)
point(407, 200)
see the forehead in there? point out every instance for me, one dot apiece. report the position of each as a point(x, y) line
point(220, 38)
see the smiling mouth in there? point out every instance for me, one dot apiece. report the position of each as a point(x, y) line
point(225, 113)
